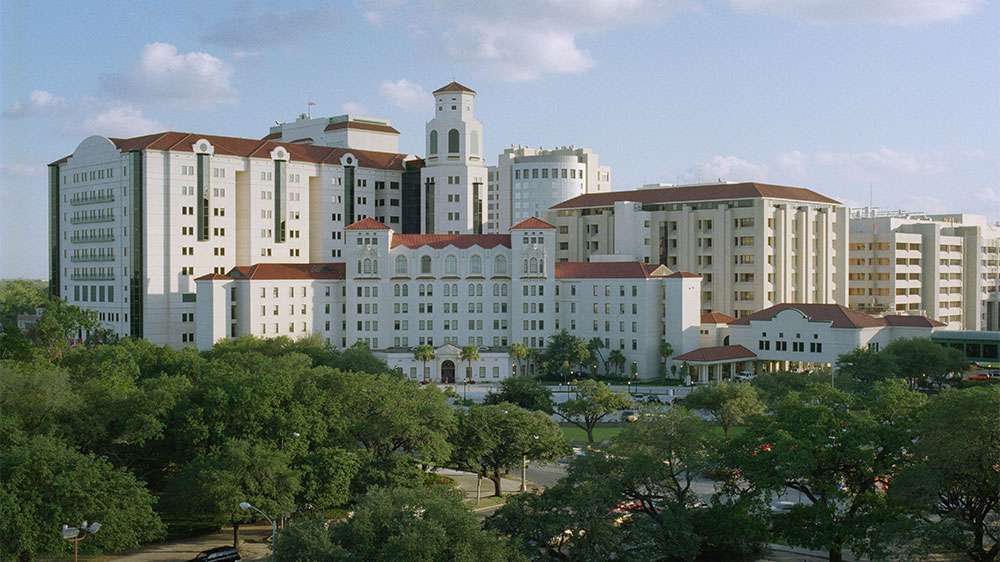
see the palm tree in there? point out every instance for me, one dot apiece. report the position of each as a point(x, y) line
point(617, 360)
point(594, 346)
point(424, 353)
point(666, 350)
point(533, 355)
point(470, 353)
point(519, 352)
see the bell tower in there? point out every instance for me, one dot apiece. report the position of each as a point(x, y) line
point(453, 182)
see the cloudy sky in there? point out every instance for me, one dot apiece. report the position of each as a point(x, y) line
point(894, 99)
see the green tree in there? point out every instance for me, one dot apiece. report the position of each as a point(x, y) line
point(14, 345)
point(592, 402)
point(952, 488)
point(775, 386)
point(20, 296)
point(666, 350)
point(519, 352)
point(428, 524)
point(45, 484)
point(493, 439)
point(729, 404)
point(213, 485)
point(469, 354)
point(594, 346)
point(61, 323)
point(424, 353)
point(524, 391)
point(617, 360)
point(564, 347)
point(837, 451)
point(650, 467)
point(866, 366)
point(920, 360)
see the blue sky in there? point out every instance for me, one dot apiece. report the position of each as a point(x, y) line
point(897, 98)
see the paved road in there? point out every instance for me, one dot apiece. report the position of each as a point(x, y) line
point(255, 541)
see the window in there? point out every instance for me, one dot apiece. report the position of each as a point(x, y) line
point(400, 267)
point(499, 265)
point(476, 264)
point(450, 265)
point(432, 147)
point(425, 265)
point(453, 141)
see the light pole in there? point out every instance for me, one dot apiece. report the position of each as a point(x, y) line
point(71, 534)
point(635, 370)
point(524, 469)
point(274, 528)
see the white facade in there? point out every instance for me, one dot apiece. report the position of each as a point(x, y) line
point(527, 181)
point(943, 266)
point(754, 245)
point(134, 221)
point(395, 292)
point(342, 131)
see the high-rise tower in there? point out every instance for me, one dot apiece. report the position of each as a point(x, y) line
point(453, 180)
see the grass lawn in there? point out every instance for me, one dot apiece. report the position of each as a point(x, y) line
point(578, 436)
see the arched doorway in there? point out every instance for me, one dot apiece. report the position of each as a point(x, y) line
point(447, 371)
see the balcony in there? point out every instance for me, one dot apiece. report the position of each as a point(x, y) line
point(85, 238)
point(88, 220)
point(79, 259)
point(92, 276)
point(88, 200)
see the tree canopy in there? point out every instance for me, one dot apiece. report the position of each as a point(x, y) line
point(592, 401)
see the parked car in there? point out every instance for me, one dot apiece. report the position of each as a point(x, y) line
point(638, 397)
point(629, 416)
point(653, 399)
point(782, 507)
point(744, 376)
point(218, 554)
point(980, 377)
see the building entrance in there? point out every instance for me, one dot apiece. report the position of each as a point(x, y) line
point(448, 372)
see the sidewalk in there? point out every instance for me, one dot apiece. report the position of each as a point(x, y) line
point(466, 481)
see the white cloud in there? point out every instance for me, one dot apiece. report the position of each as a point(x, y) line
point(407, 95)
point(518, 40)
point(19, 170)
point(727, 168)
point(162, 75)
point(354, 108)
point(895, 12)
point(884, 161)
point(117, 120)
point(39, 103)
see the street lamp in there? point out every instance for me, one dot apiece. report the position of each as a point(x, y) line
point(524, 469)
point(274, 528)
point(635, 370)
point(71, 534)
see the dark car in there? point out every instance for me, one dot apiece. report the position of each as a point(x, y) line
point(218, 554)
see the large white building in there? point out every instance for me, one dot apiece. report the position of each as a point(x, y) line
point(397, 291)
point(944, 266)
point(527, 181)
point(754, 245)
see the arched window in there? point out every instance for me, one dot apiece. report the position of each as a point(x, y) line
point(401, 265)
point(479, 289)
point(432, 145)
point(430, 290)
point(503, 290)
point(451, 265)
point(533, 265)
point(476, 264)
point(368, 266)
point(453, 141)
point(454, 289)
point(420, 289)
point(395, 290)
point(425, 264)
point(499, 265)
point(447, 290)
point(496, 289)
point(406, 290)
point(474, 142)
point(472, 290)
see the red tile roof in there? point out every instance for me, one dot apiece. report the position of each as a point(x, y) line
point(359, 125)
point(709, 192)
point(460, 241)
point(683, 275)
point(716, 318)
point(454, 87)
point(839, 316)
point(272, 136)
point(212, 277)
point(253, 148)
point(716, 354)
point(912, 321)
point(367, 224)
point(282, 271)
point(531, 223)
point(609, 270)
